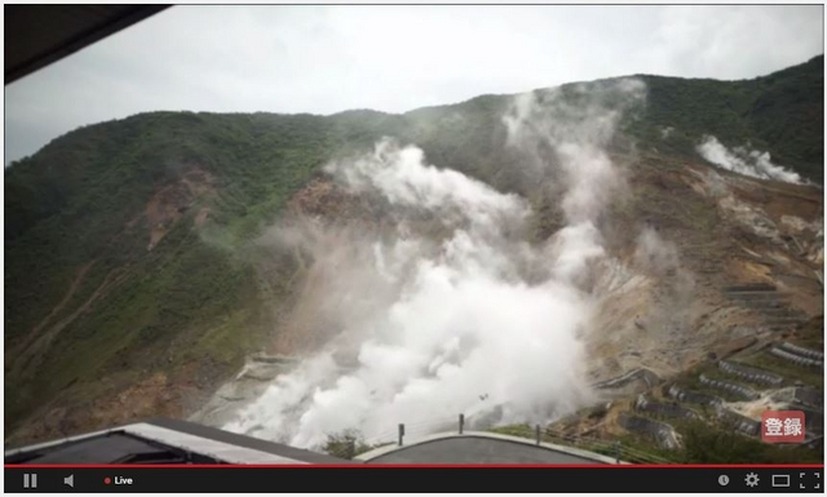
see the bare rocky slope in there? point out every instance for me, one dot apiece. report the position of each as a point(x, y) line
point(738, 277)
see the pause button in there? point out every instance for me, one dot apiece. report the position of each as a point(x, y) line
point(29, 480)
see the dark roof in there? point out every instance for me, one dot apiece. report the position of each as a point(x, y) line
point(38, 35)
point(247, 442)
point(111, 448)
point(128, 445)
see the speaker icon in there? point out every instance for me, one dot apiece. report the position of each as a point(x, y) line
point(70, 481)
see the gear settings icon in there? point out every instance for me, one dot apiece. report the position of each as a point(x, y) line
point(751, 480)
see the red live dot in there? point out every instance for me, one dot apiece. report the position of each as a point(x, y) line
point(107, 480)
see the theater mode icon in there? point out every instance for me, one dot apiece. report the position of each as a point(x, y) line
point(781, 481)
point(782, 426)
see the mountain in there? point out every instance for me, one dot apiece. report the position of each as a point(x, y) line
point(781, 113)
point(136, 282)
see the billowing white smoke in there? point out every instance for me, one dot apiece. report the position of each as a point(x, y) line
point(747, 162)
point(479, 322)
point(577, 124)
point(653, 254)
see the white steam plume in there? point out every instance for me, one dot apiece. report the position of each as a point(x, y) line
point(472, 319)
point(747, 162)
point(577, 125)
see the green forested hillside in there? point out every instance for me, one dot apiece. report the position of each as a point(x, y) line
point(781, 113)
point(127, 241)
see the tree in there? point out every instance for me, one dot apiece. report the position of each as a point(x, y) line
point(346, 445)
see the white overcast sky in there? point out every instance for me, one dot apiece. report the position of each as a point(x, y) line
point(325, 59)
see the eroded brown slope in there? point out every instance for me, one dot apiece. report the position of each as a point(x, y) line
point(678, 236)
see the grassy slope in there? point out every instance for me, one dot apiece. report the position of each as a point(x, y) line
point(193, 298)
point(184, 287)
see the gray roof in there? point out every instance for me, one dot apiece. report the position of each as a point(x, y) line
point(160, 441)
point(481, 448)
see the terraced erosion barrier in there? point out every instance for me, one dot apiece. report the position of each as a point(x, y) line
point(803, 351)
point(782, 323)
point(795, 358)
point(766, 299)
point(663, 433)
point(783, 312)
point(779, 327)
point(733, 388)
point(683, 395)
point(739, 422)
point(745, 425)
point(756, 300)
point(668, 410)
point(761, 301)
point(645, 375)
point(809, 396)
point(753, 375)
point(813, 419)
point(751, 287)
point(783, 317)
